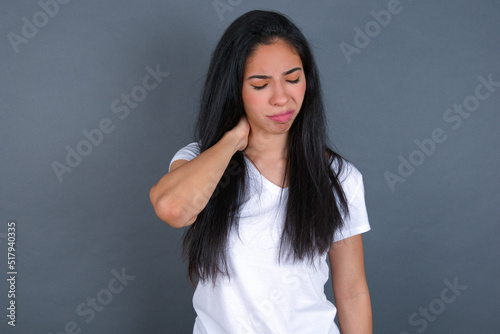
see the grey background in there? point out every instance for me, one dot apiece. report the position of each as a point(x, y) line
point(440, 224)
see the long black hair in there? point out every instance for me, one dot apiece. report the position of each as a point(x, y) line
point(316, 203)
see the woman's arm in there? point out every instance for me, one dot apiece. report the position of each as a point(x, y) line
point(181, 194)
point(350, 289)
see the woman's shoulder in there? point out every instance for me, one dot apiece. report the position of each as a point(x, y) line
point(348, 175)
point(193, 147)
point(187, 152)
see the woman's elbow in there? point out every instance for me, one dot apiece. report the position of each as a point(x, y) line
point(167, 211)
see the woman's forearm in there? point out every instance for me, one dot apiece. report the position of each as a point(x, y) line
point(181, 194)
point(355, 313)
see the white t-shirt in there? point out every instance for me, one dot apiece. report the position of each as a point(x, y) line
point(262, 295)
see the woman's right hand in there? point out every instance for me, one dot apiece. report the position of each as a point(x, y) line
point(241, 132)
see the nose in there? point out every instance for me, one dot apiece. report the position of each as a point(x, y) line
point(279, 95)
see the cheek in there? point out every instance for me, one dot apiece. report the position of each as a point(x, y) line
point(250, 99)
point(300, 91)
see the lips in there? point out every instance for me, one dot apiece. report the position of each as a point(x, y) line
point(282, 117)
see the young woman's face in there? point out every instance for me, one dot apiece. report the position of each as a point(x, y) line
point(274, 85)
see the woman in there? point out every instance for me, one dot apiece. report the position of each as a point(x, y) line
point(265, 199)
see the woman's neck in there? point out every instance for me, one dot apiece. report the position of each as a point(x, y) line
point(267, 146)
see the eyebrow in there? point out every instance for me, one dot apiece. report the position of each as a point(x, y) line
point(268, 77)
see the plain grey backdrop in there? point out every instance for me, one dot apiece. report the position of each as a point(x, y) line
point(97, 96)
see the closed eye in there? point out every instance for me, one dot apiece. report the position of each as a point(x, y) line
point(259, 87)
point(294, 81)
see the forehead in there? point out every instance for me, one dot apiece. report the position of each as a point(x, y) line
point(278, 56)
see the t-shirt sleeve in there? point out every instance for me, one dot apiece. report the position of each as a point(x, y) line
point(188, 152)
point(357, 220)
